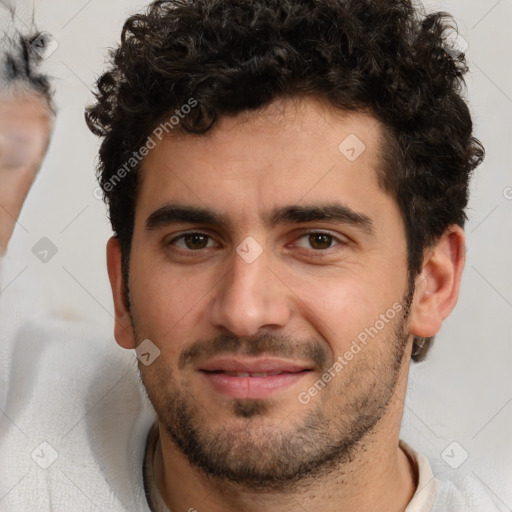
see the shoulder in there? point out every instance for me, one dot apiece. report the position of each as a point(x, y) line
point(78, 419)
point(466, 493)
point(463, 492)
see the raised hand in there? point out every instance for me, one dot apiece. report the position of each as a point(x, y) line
point(25, 126)
point(26, 115)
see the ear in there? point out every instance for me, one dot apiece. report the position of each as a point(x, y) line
point(437, 286)
point(123, 330)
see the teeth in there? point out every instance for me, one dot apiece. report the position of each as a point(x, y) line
point(255, 374)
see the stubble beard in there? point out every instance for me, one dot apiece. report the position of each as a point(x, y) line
point(262, 455)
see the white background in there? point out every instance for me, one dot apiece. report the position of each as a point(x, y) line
point(463, 392)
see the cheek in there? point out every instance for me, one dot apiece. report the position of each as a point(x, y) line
point(164, 299)
point(340, 309)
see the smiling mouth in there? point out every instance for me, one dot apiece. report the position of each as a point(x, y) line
point(253, 381)
point(253, 374)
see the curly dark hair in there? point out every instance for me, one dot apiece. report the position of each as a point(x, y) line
point(382, 57)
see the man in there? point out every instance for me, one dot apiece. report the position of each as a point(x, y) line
point(286, 183)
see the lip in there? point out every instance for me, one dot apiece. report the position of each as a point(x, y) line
point(220, 375)
point(261, 365)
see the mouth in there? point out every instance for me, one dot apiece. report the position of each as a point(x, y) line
point(252, 379)
point(251, 374)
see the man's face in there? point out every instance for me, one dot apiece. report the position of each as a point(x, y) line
point(263, 254)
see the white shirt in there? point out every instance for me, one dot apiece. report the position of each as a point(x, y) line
point(74, 423)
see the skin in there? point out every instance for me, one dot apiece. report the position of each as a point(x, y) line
point(26, 122)
point(183, 297)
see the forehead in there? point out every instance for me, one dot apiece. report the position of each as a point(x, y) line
point(290, 152)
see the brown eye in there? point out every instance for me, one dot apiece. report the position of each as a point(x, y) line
point(195, 241)
point(320, 240)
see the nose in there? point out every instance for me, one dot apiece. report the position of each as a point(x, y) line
point(250, 298)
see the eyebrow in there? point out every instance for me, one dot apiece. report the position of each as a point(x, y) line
point(330, 212)
point(174, 213)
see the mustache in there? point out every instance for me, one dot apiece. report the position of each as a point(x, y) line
point(265, 344)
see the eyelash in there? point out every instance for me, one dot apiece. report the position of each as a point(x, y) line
point(337, 241)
